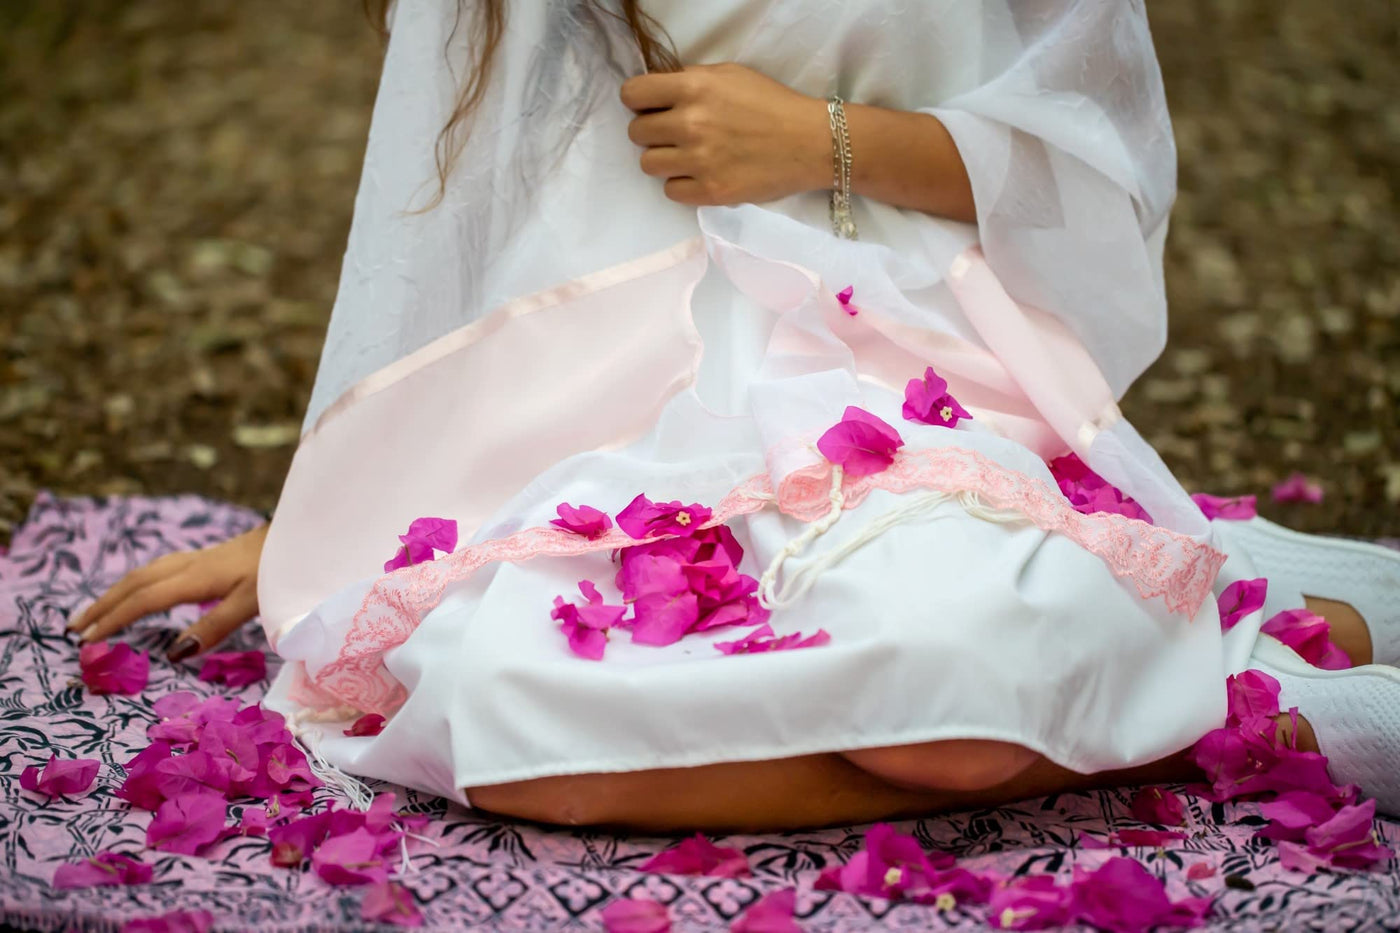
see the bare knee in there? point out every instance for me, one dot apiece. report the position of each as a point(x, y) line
point(954, 765)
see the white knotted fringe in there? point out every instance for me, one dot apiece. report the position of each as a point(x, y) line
point(768, 597)
point(797, 585)
point(355, 791)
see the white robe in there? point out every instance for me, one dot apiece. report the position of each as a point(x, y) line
point(565, 333)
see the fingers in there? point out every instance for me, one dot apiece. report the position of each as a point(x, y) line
point(690, 191)
point(158, 569)
point(666, 128)
point(663, 162)
point(657, 91)
point(141, 601)
point(240, 605)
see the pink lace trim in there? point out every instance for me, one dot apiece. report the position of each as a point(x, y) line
point(1161, 563)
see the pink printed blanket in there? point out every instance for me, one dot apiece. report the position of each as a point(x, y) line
point(481, 873)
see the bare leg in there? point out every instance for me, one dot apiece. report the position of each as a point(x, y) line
point(1349, 631)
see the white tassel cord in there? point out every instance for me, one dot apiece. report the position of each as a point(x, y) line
point(355, 791)
point(771, 596)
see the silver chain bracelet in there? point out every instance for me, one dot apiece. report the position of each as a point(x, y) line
point(843, 222)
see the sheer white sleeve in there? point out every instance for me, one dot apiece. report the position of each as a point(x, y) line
point(1069, 148)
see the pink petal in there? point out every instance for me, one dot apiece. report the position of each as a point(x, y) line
point(699, 856)
point(1147, 837)
point(409, 554)
point(643, 518)
point(1252, 697)
point(353, 858)
point(762, 640)
point(1238, 509)
point(662, 619)
point(585, 520)
point(60, 777)
point(1308, 635)
point(860, 443)
point(926, 401)
point(771, 914)
point(187, 824)
point(105, 869)
point(174, 705)
point(1031, 903)
point(636, 916)
point(141, 785)
point(1160, 806)
point(115, 668)
point(176, 921)
point(234, 668)
point(1240, 599)
point(390, 902)
point(438, 533)
point(293, 842)
point(1298, 488)
point(1123, 895)
point(1200, 871)
point(1292, 813)
point(368, 724)
point(647, 574)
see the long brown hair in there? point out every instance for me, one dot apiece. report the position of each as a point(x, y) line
point(487, 26)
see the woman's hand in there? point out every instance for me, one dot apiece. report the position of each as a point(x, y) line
point(227, 572)
point(725, 134)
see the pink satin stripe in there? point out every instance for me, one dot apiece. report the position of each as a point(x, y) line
point(493, 321)
point(463, 425)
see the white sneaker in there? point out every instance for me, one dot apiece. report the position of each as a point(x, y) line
point(1365, 576)
point(1355, 714)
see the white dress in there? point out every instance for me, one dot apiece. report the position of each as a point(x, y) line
point(566, 334)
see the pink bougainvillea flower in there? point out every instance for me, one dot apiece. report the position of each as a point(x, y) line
point(1293, 813)
point(770, 914)
point(187, 824)
point(425, 535)
point(352, 858)
point(860, 443)
point(390, 902)
point(141, 787)
point(926, 401)
point(286, 766)
point(177, 921)
point(368, 724)
point(762, 640)
point(1298, 488)
point(254, 821)
point(115, 668)
point(636, 916)
point(586, 625)
point(175, 705)
point(1237, 509)
point(234, 668)
point(227, 741)
point(60, 777)
point(292, 842)
point(1240, 599)
point(643, 518)
point(1122, 896)
point(194, 773)
point(650, 574)
point(1252, 698)
point(1088, 492)
point(699, 856)
point(1308, 635)
point(844, 296)
point(1032, 903)
point(1160, 806)
point(585, 520)
point(104, 869)
point(661, 619)
point(891, 865)
point(1348, 839)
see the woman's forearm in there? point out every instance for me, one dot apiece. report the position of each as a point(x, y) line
point(908, 160)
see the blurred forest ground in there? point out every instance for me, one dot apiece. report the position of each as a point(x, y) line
point(176, 183)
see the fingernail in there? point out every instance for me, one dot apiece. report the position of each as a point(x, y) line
point(184, 647)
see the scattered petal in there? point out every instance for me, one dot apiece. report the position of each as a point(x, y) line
point(1310, 636)
point(1032, 903)
point(425, 535)
point(1237, 509)
point(762, 640)
point(390, 902)
point(926, 401)
point(352, 858)
point(234, 668)
point(770, 914)
point(1089, 493)
point(699, 856)
point(860, 443)
point(105, 869)
point(1152, 838)
point(585, 520)
point(1122, 896)
point(118, 668)
point(60, 777)
point(636, 916)
point(1298, 488)
point(368, 724)
point(643, 518)
point(1200, 871)
point(586, 625)
point(1240, 599)
point(187, 824)
point(1159, 806)
point(844, 296)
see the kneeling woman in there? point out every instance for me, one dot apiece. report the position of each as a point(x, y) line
point(702, 413)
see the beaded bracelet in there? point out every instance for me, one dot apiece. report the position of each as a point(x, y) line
point(843, 222)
